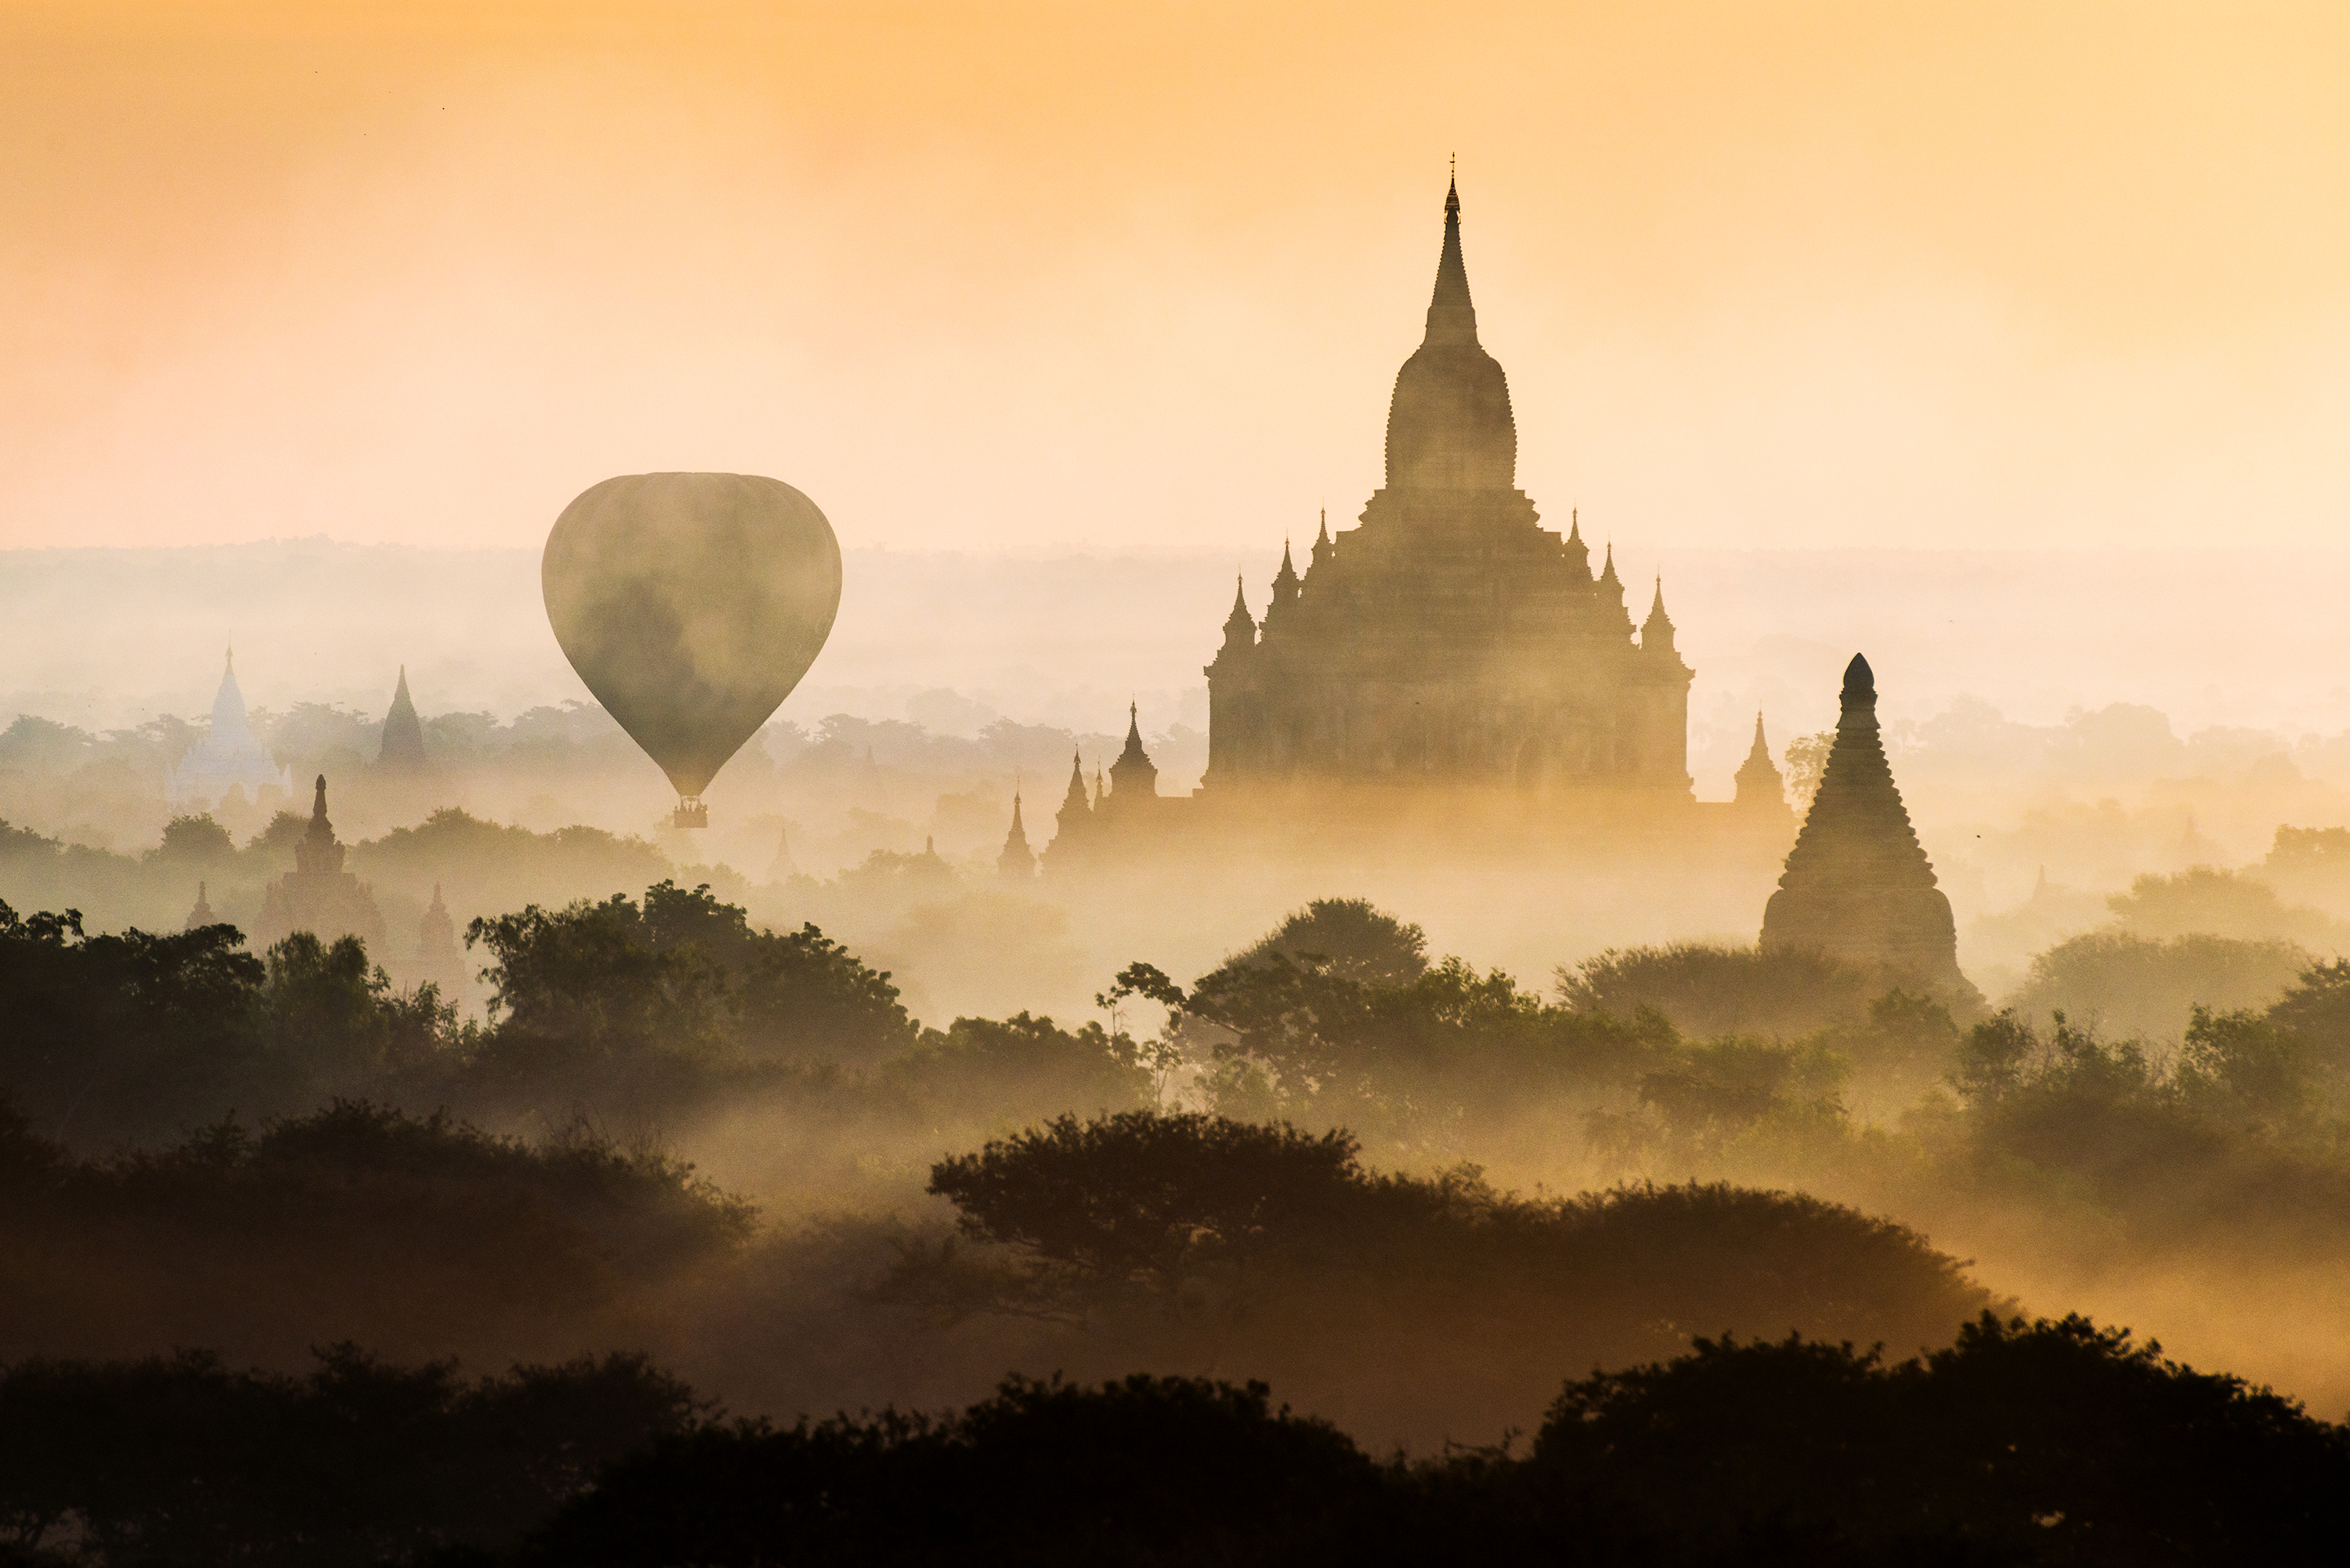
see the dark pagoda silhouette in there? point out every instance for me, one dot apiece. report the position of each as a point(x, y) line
point(1857, 884)
point(402, 752)
point(318, 896)
point(438, 959)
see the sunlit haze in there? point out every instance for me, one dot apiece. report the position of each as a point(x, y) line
point(1013, 276)
point(1310, 783)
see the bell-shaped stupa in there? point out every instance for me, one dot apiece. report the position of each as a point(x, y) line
point(1857, 884)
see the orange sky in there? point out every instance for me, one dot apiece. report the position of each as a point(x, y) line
point(1140, 276)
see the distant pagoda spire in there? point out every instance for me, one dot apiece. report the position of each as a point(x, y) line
point(1761, 787)
point(402, 750)
point(201, 915)
point(318, 853)
point(1322, 545)
point(1018, 862)
point(318, 896)
point(1133, 777)
point(229, 758)
point(1076, 809)
point(1857, 884)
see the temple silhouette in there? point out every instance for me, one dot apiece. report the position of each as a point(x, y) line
point(1447, 648)
point(438, 959)
point(318, 896)
point(1858, 884)
point(402, 750)
point(1448, 635)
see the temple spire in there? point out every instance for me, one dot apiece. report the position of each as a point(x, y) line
point(1657, 631)
point(1578, 553)
point(1451, 317)
point(1240, 626)
point(1284, 581)
point(1018, 861)
point(403, 749)
point(1759, 785)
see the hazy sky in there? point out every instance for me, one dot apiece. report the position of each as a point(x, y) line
point(1139, 276)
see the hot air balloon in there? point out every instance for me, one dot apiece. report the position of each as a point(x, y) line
point(691, 603)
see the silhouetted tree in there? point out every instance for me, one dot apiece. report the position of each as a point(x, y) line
point(1350, 938)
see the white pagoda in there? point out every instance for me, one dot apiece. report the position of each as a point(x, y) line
point(228, 757)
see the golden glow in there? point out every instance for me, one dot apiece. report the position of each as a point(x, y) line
point(1141, 275)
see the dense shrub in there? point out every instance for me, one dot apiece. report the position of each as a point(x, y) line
point(682, 973)
point(1708, 988)
point(356, 1222)
point(2134, 985)
point(1128, 1211)
point(2043, 1443)
point(177, 1459)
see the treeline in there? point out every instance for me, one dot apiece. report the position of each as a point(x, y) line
point(356, 1222)
point(1687, 1060)
point(2052, 1442)
point(666, 1005)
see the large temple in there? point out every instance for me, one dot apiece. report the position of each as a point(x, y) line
point(1447, 648)
point(1449, 636)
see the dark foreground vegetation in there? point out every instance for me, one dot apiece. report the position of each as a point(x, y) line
point(2045, 1442)
point(1264, 1174)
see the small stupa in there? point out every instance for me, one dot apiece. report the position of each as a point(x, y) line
point(1017, 864)
point(1858, 884)
point(1761, 787)
point(229, 758)
point(438, 959)
point(201, 915)
point(783, 868)
point(318, 896)
point(402, 752)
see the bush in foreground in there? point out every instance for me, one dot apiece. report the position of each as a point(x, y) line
point(2050, 1442)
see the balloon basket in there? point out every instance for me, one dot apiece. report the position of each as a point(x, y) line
point(690, 813)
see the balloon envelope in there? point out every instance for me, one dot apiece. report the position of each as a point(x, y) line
point(691, 603)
